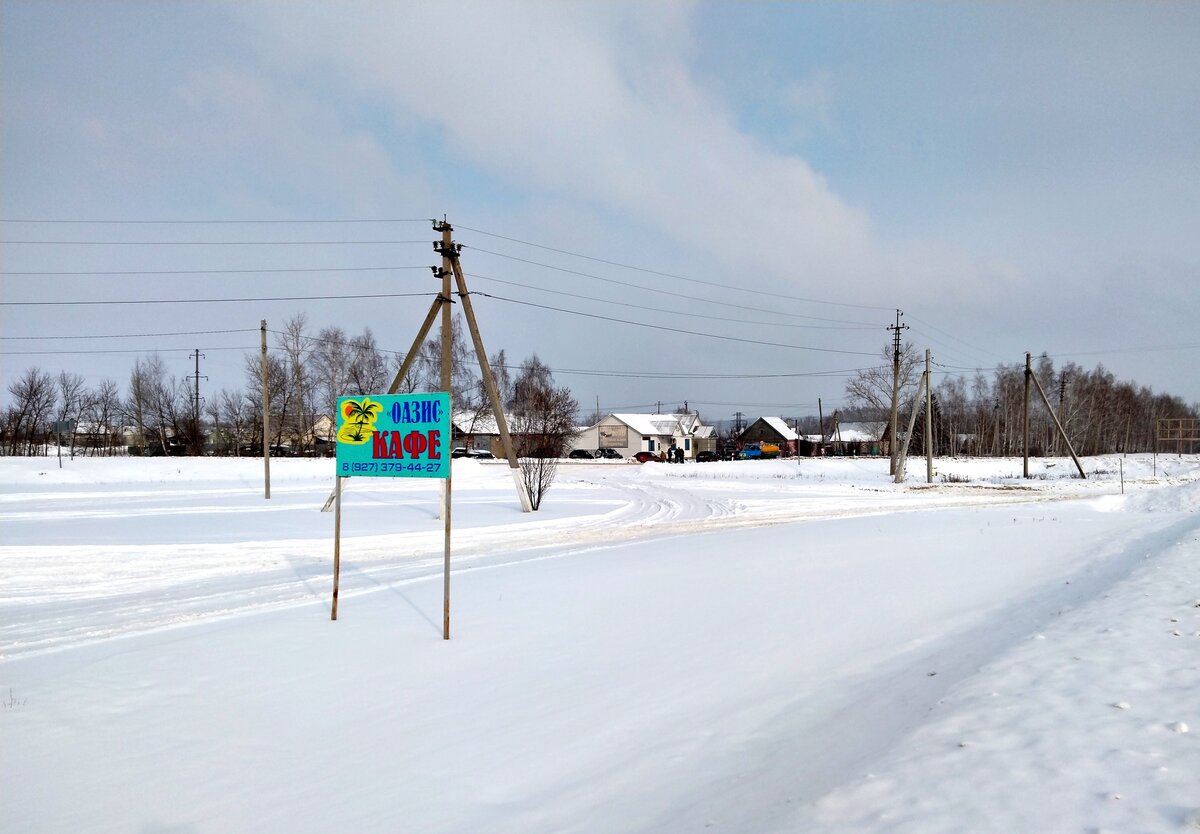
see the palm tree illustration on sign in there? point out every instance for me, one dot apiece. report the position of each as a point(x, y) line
point(359, 420)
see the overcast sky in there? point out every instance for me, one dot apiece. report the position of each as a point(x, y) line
point(1014, 177)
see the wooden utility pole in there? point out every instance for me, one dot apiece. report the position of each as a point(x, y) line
point(447, 385)
point(897, 329)
point(928, 419)
point(1025, 415)
point(493, 391)
point(912, 421)
point(452, 268)
point(266, 400)
point(1057, 424)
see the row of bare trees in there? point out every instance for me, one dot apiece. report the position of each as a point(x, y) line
point(155, 411)
point(306, 372)
point(983, 414)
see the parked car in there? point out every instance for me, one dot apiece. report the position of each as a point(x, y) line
point(608, 454)
point(464, 452)
point(580, 454)
point(705, 456)
point(643, 457)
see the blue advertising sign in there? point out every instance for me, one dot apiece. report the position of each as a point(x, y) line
point(394, 435)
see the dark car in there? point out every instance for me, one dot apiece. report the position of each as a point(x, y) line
point(643, 457)
point(463, 452)
point(705, 456)
point(580, 454)
point(608, 454)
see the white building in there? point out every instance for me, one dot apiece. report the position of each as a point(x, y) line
point(629, 434)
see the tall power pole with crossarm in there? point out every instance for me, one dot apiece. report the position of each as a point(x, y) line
point(896, 329)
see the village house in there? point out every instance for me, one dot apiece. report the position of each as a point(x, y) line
point(771, 430)
point(628, 434)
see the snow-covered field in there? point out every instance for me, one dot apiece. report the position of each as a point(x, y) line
point(742, 647)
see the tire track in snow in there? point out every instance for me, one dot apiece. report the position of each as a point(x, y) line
point(58, 596)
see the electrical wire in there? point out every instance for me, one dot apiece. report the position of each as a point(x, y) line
point(211, 222)
point(217, 271)
point(672, 312)
point(218, 300)
point(691, 297)
point(1148, 349)
point(926, 324)
point(682, 278)
point(126, 335)
point(651, 271)
point(207, 242)
point(696, 376)
point(338, 342)
point(672, 329)
point(129, 352)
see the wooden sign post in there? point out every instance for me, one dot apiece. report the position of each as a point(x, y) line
point(393, 436)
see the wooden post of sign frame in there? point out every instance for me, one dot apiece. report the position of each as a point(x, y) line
point(337, 540)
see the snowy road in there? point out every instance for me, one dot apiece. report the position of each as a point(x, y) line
point(94, 560)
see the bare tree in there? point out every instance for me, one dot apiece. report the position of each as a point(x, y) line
point(103, 409)
point(72, 391)
point(503, 377)
point(236, 415)
point(331, 357)
point(278, 389)
point(368, 369)
point(543, 426)
point(463, 380)
point(870, 389)
point(34, 398)
point(297, 347)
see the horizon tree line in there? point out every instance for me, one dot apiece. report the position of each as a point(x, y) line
point(306, 372)
point(156, 412)
point(982, 415)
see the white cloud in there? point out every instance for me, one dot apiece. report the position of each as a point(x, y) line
point(570, 101)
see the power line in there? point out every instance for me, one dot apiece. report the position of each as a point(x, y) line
point(1150, 349)
point(671, 312)
point(672, 329)
point(696, 376)
point(218, 300)
point(125, 335)
point(926, 324)
point(1147, 349)
point(648, 271)
point(128, 352)
point(680, 295)
point(208, 242)
point(342, 343)
point(216, 271)
point(864, 324)
point(681, 278)
point(212, 222)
